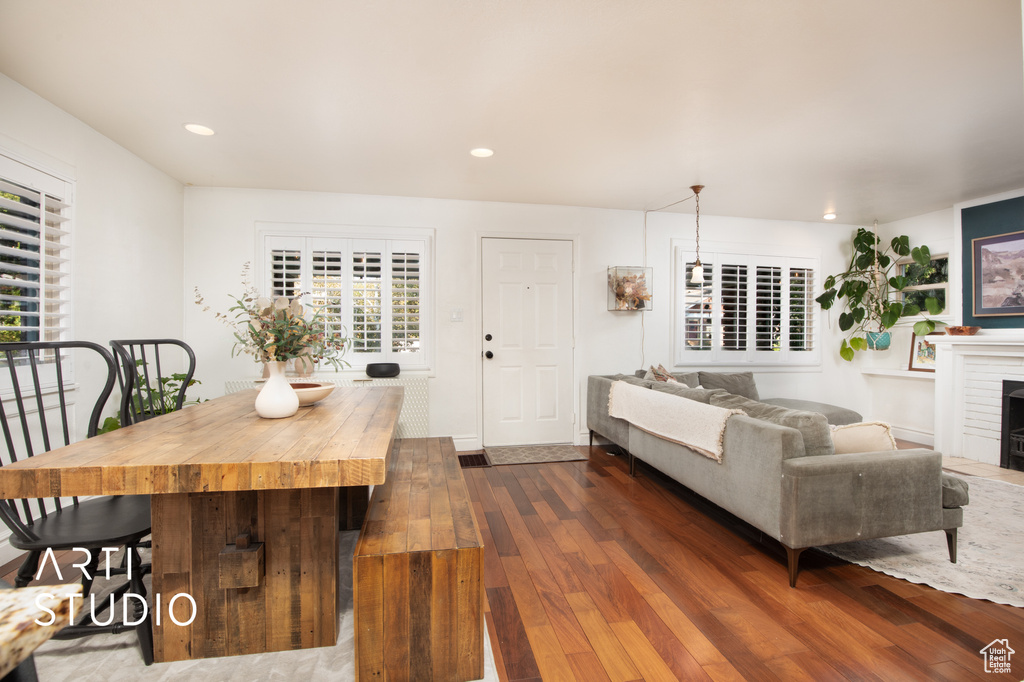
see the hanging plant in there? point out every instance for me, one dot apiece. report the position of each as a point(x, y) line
point(869, 291)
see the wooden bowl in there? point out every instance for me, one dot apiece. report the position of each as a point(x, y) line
point(310, 393)
point(962, 331)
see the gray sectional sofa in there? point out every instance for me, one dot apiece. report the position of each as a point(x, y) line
point(780, 475)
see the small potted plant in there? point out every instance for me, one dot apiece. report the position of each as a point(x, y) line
point(869, 291)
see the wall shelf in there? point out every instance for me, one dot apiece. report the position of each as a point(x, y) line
point(899, 373)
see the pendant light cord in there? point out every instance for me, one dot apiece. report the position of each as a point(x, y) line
point(643, 329)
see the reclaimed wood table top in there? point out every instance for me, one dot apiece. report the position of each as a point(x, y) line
point(21, 615)
point(222, 445)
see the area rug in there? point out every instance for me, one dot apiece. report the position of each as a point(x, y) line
point(990, 554)
point(533, 454)
point(117, 657)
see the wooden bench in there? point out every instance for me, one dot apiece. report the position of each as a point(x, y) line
point(418, 571)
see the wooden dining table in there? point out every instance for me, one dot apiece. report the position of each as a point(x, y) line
point(246, 512)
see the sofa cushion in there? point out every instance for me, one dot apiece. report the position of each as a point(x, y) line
point(954, 492)
point(737, 383)
point(837, 416)
point(675, 388)
point(636, 381)
point(812, 426)
point(863, 437)
point(691, 379)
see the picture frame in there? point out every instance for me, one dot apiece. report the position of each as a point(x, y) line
point(997, 274)
point(922, 353)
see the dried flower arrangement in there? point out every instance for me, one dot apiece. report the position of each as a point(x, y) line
point(630, 290)
point(273, 330)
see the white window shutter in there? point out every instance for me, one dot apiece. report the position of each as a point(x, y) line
point(34, 264)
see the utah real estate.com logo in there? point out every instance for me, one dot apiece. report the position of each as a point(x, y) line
point(997, 655)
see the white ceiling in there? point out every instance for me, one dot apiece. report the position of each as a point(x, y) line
point(783, 109)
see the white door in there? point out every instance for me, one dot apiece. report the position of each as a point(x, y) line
point(527, 329)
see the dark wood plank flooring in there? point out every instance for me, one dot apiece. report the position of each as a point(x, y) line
point(593, 575)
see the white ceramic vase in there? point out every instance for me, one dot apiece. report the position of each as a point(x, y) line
point(277, 398)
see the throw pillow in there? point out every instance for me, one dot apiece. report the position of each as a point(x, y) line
point(676, 388)
point(863, 437)
point(691, 379)
point(813, 427)
point(659, 373)
point(737, 383)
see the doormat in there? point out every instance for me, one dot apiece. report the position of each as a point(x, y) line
point(533, 454)
point(473, 460)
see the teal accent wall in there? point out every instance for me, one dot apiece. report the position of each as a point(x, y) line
point(987, 220)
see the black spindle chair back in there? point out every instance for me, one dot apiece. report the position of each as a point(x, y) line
point(139, 372)
point(29, 430)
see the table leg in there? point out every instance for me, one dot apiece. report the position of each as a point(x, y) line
point(353, 502)
point(292, 606)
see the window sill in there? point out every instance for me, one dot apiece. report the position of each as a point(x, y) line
point(899, 373)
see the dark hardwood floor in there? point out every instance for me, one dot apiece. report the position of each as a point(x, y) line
point(592, 575)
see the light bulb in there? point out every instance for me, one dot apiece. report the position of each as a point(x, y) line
point(698, 274)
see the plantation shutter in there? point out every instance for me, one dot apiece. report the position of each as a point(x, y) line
point(768, 309)
point(327, 287)
point(35, 249)
point(698, 305)
point(406, 280)
point(372, 290)
point(801, 309)
point(751, 309)
point(285, 272)
point(367, 308)
point(734, 307)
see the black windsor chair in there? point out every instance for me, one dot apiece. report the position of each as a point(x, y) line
point(34, 423)
point(149, 392)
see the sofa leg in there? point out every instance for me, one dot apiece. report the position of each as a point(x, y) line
point(793, 558)
point(951, 544)
point(632, 464)
point(591, 438)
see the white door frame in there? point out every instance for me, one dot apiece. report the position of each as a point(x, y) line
point(479, 345)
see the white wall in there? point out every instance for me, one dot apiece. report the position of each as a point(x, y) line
point(220, 237)
point(908, 401)
point(127, 220)
point(127, 244)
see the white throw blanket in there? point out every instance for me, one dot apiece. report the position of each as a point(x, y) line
point(698, 426)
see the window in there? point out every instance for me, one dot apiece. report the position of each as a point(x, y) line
point(35, 251)
point(372, 290)
point(749, 309)
point(926, 281)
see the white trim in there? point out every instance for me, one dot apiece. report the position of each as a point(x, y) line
point(914, 435)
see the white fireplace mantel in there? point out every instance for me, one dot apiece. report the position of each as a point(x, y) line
point(969, 372)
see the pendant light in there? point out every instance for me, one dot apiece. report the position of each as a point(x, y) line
point(698, 270)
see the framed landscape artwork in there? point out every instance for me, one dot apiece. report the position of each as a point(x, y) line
point(922, 354)
point(998, 274)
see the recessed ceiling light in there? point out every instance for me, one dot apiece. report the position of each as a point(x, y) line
point(829, 216)
point(482, 152)
point(198, 129)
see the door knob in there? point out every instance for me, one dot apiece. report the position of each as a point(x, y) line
point(488, 337)
point(488, 355)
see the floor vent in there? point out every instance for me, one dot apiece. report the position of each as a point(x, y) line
point(475, 460)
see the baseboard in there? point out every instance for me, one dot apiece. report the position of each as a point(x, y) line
point(464, 443)
point(914, 435)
